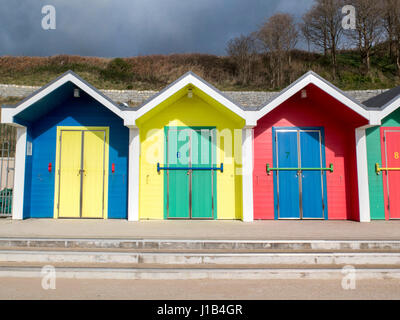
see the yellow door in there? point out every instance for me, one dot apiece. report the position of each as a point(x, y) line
point(82, 166)
point(93, 174)
point(69, 177)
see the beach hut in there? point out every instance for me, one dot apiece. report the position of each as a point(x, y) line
point(71, 153)
point(306, 151)
point(191, 138)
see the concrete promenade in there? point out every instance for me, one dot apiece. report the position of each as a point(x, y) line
point(215, 230)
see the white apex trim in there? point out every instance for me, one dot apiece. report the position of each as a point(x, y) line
point(191, 79)
point(311, 78)
point(375, 117)
point(9, 113)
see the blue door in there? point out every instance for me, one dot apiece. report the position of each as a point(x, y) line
point(288, 191)
point(299, 193)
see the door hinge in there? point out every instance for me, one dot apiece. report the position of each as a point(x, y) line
point(58, 206)
point(323, 206)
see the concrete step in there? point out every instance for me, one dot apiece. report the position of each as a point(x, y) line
point(158, 266)
point(200, 245)
point(195, 272)
point(186, 258)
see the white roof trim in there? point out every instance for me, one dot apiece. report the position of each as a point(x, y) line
point(323, 85)
point(196, 82)
point(9, 113)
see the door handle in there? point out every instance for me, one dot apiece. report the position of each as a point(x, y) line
point(81, 171)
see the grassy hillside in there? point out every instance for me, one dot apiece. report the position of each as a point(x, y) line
point(156, 71)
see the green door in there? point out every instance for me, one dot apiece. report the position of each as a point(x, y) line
point(190, 187)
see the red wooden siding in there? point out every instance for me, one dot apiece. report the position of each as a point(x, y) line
point(317, 110)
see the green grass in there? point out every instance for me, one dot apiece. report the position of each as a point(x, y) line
point(157, 71)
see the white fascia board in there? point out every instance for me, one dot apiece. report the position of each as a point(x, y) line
point(362, 175)
point(283, 97)
point(11, 112)
point(90, 91)
point(133, 175)
point(190, 79)
point(161, 97)
point(341, 97)
point(218, 97)
point(320, 84)
point(375, 117)
point(129, 119)
point(7, 115)
point(26, 104)
point(389, 109)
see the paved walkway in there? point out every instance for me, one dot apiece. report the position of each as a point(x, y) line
point(26, 288)
point(218, 230)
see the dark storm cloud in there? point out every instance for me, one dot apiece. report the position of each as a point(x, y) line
point(133, 27)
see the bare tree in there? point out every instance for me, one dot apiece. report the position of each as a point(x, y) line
point(397, 34)
point(389, 16)
point(242, 49)
point(368, 28)
point(279, 35)
point(391, 23)
point(322, 25)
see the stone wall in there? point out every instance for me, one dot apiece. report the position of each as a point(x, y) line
point(134, 97)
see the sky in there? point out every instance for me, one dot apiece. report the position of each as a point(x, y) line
point(124, 28)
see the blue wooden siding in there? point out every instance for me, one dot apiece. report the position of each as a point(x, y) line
point(39, 183)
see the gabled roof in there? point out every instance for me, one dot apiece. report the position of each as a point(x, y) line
point(8, 112)
point(384, 104)
point(312, 78)
point(381, 101)
point(196, 81)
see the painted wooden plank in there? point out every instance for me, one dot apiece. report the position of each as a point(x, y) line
point(312, 181)
point(177, 191)
point(392, 178)
point(70, 177)
point(94, 171)
point(287, 188)
point(202, 181)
